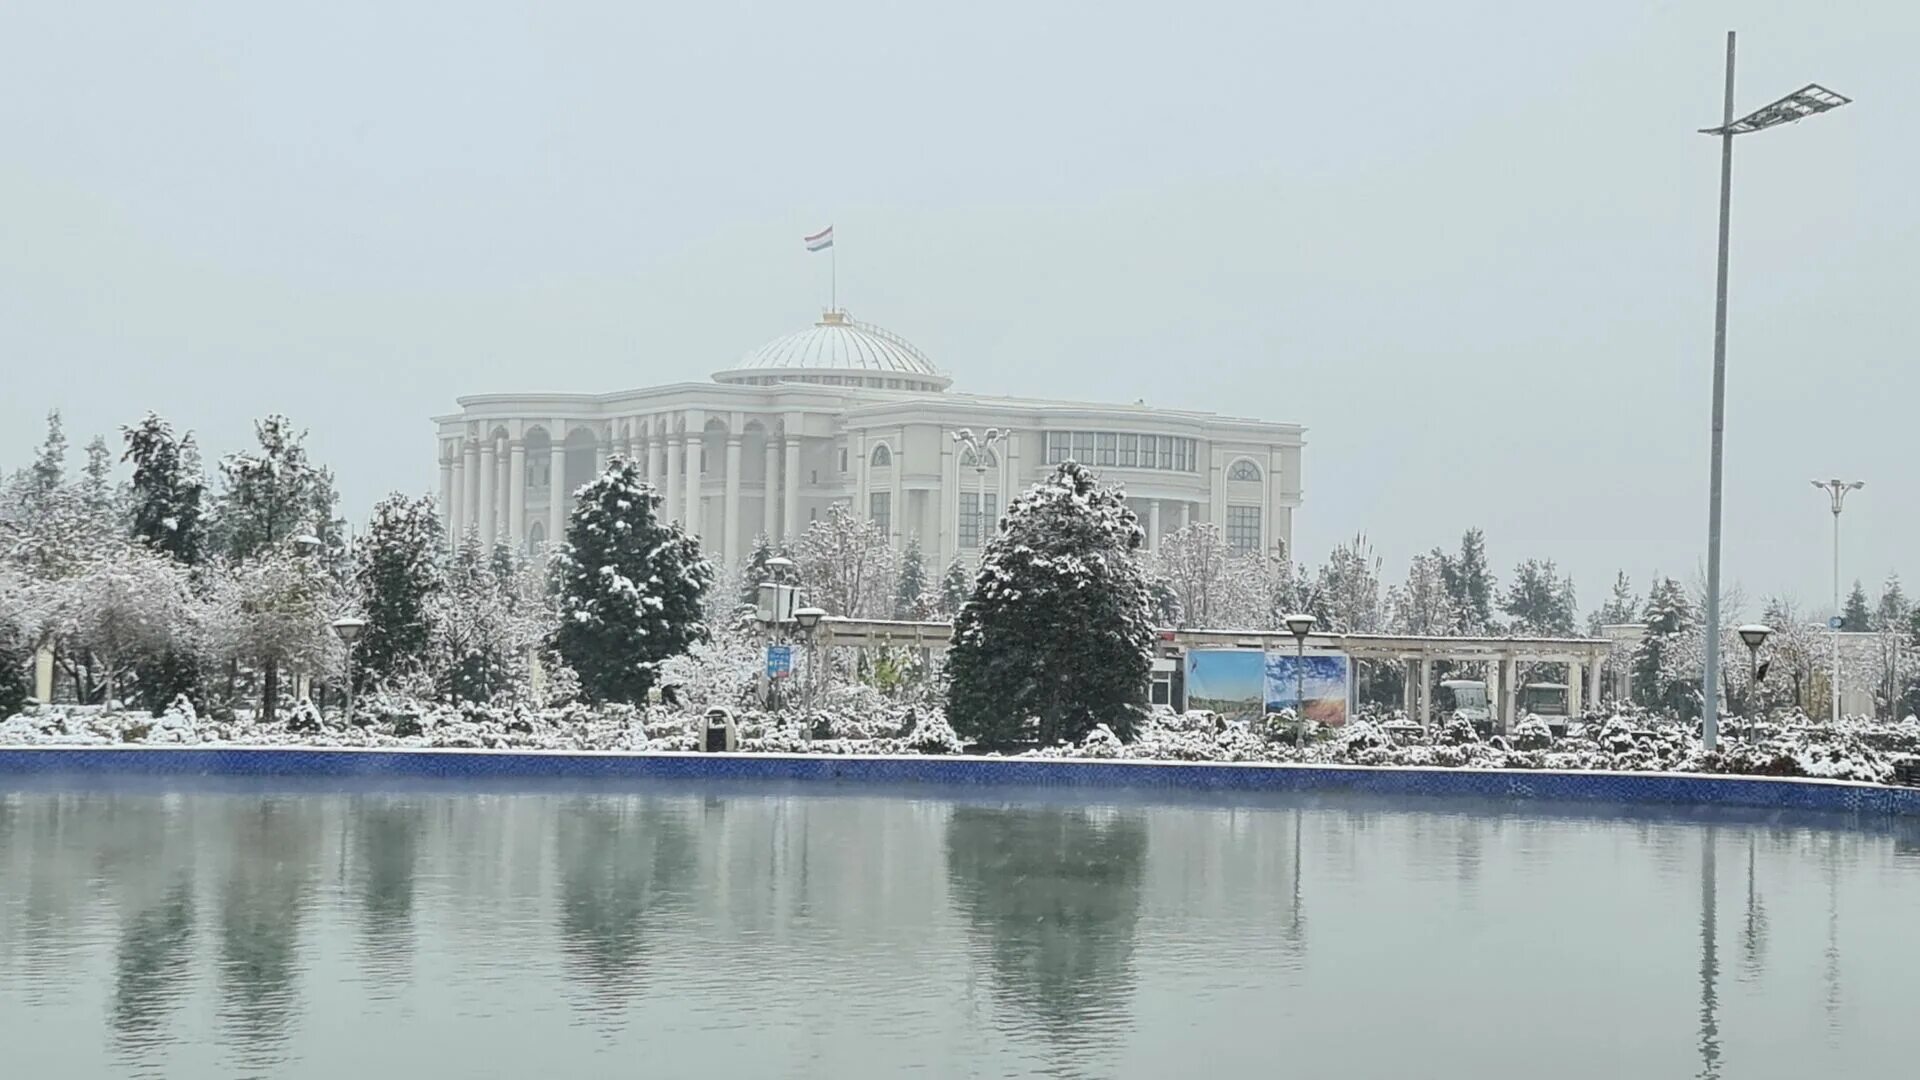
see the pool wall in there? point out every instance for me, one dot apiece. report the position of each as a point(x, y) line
point(1616, 787)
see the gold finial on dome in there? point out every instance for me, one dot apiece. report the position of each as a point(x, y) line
point(835, 317)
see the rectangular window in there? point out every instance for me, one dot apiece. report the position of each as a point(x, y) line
point(1129, 451)
point(1104, 447)
point(1083, 447)
point(1058, 447)
point(978, 517)
point(1166, 451)
point(880, 510)
point(1243, 528)
point(1183, 455)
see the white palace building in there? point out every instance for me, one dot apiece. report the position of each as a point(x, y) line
point(844, 412)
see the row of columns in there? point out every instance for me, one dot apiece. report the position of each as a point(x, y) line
point(1503, 689)
point(479, 486)
point(1179, 514)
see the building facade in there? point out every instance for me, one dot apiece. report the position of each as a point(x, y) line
point(846, 413)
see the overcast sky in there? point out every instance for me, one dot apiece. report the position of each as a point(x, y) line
point(1469, 245)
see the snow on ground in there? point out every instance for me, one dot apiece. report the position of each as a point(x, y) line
point(863, 722)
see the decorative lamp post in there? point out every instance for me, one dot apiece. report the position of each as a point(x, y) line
point(809, 620)
point(1837, 495)
point(1755, 635)
point(1807, 101)
point(349, 630)
point(981, 447)
point(1300, 625)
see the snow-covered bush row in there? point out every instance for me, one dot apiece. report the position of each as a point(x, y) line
point(864, 723)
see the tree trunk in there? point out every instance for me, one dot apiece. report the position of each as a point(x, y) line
point(269, 691)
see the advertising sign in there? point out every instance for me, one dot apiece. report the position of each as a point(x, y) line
point(779, 661)
point(1243, 684)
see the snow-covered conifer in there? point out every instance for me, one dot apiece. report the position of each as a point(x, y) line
point(397, 571)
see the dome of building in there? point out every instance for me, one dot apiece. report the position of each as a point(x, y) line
point(838, 351)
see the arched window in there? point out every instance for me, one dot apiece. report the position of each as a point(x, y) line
point(882, 457)
point(967, 460)
point(1244, 470)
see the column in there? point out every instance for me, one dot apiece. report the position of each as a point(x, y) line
point(770, 513)
point(557, 496)
point(1509, 690)
point(1500, 723)
point(657, 462)
point(1153, 524)
point(671, 509)
point(730, 538)
point(470, 502)
point(792, 479)
point(1426, 692)
point(489, 471)
point(949, 496)
point(690, 457)
point(1574, 697)
point(1593, 685)
point(457, 499)
point(446, 486)
point(897, 514)
point(517, 495)
point(1409, 678)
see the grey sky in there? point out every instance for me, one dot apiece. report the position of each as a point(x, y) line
point(1470, 245)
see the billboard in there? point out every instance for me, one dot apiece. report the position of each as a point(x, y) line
point(1242, 684)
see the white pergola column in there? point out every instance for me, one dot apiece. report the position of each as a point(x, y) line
point(1593, 684)
point(1426, 692)
point(1574, 696)
point(1509, 690)
point(690, 457)
point(489, 472)
point(1153, 524)
point(791, 477)
point(730, 537)
point(672, 508)
point(770, 512)
point(470, 502)
point(517, 495)
point(557, 495)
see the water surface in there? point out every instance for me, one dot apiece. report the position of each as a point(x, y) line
point(273, 928)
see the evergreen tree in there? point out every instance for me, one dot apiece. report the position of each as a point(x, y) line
point(1669, 618)
point(847, 564)
point(275, 494)
point(1893, 613)
point(398, 571)
point(1622, 606)
point(754, 571)
point(1347, 592)
point(14, 659)
point(1856, 617)
point(166, 495)
point(1470, 584)
point(955, 586)
point(49, 470)
point(910, 585)
point(1540, 600)
point(1058, 635)
point(630, 587)
point(1424, 606)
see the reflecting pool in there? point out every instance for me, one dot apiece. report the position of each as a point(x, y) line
point(273, 928)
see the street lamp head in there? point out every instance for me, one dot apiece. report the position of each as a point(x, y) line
point(779, 566)
point(809, 617)
point(306, 544)
point(349, 628)
point(1755, 634)
point(1810, 100)
point(1300, 625)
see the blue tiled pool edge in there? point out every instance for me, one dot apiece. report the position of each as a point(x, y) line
point(1672, 788)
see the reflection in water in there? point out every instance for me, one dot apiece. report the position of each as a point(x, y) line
point(387, 840)
point(149, 964)
point(1053, 895)
point(270, 870)
point(621, 861)
point(1709, 960)
point(1753, 939)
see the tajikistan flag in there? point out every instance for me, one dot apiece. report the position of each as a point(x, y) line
point(821, 240)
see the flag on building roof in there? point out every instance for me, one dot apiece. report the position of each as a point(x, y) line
point(821, 240)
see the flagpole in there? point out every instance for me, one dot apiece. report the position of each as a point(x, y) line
point(833, 276)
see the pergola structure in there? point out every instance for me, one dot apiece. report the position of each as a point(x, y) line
point(1502, 655)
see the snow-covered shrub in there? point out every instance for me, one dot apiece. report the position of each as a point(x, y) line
point(933, 735)
point(1532, 733)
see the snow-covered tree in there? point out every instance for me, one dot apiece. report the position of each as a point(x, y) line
point(847, 565)
point(269, 613)
point(274, 494)
point(1622, 606)
point(910, 600)
point(125, 607)
point(1057, 636)
point(166, 494)
point(1348, 590)
point(1856, 617)
point(487, 620)
point(397, 570)
point(1193, 562)
point(1470, 582)
point(1670, 622)
point(1424, 606)
point(1540, 600)
point(630, 587)
point(955, 586)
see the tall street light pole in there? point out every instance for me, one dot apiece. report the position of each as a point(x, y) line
point(1837, 493)
point(1802, 103)
point(979, 447)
